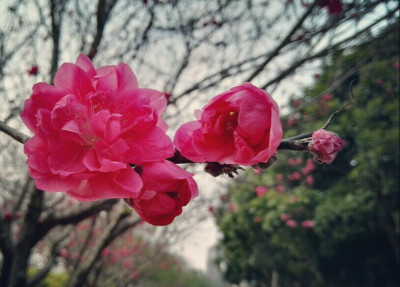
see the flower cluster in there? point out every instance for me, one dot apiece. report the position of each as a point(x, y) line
point(97, 135)
point(91, 128)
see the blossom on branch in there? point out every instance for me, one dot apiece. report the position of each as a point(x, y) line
point(90, 127)
point(325, 145)
point(240, 126)
point(166, 189)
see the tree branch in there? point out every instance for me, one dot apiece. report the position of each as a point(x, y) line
point(77, 215)
point(284, 42)
point(15, 134)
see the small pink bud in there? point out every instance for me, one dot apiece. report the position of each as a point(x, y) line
point(34, 70)
point(325, 145)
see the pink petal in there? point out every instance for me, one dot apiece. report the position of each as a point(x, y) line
point(44, 96)
point(67, 159)
point(86, 65)
point(73, 79)
point(183, 141)
point(106, 79)
point(156, 145)
point(126, 78)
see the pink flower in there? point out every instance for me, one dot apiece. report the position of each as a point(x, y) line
point(8, 216)
point(240, 126)
point(280, 188)
point(34, 70)
point(291, 121)
point(327, 97)
point(307, 224)
point(310, 166)
point(295, 176)
point(279, 177)
point(295, 103)
point(211, 209)
point(257, 171)
point(64, 253)
point(89, 127)
point(291, 223)
point(166, 189)
point(292, 161)
point(232, 206)
point(285, 216)
point(257, 219)
point(127, 263)
point(325, 145)
point(105, 252)
point(310, 180)
point(261, 190)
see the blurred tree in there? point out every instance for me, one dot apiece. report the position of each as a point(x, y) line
point(188, 49)
point(338, 224)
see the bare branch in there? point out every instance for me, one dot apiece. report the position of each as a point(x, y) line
point(284, 42)
point(15, 134)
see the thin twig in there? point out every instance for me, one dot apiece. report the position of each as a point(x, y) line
point(345, 105)
point(15, 134)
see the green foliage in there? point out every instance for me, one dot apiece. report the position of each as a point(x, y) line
point(53, 279)
point(175, 277)
point(353, 203)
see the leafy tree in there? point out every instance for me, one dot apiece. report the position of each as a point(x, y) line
point(335, 225)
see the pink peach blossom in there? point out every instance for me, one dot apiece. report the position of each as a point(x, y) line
point(325, 145)
point(310, 166)
point(166, 189)
point(232, 206)
point(280, 188)
point(64, 253)
point(310, 180)
point(240, 126)
point(257, 171)
point(307, 224)
point(127, 263)
point(34, 70)
point(257, 219)
point(295, 176)
point(285, 216)
point(89, 127)
point(291, 223)
point(261, 190)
